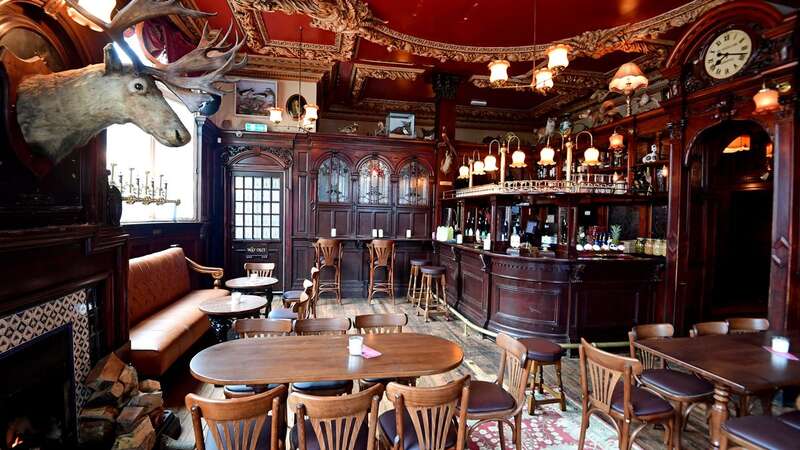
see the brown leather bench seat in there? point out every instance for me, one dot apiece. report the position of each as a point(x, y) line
point(163, 310)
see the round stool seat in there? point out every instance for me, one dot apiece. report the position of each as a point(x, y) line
point(292, 295)
point(282, 313)
point(433, 270)
point(420, 262)
point(542, 350)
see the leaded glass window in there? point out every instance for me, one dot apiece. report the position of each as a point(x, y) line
point(333, 181)
point(373, 182)
point(257, 207)
point(414, 184)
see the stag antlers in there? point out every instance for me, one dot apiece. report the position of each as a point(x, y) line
point(212, 57)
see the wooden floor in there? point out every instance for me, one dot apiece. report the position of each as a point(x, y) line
point(481, 359)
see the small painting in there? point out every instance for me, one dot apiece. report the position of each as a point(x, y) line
point(294, 106)
point(255, 97)
point(400, 125)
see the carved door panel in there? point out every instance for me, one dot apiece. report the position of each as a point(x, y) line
point(256, 222)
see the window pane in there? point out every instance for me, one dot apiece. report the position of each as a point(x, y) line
point(248, 182)
point(248, 195)
point(257, 233)
point(373, 182)
point(276, 208)
point(276, 196)
point(239, 195)
point(256, 208)
point(257, 196)
point(248, 233)
point(239, 220)
point(257, 183)
point(276, 233)
point(239, 207)
point(248, 208)
point(276, 183)
point(259, 214)
point(239, 233)
point(333, 181)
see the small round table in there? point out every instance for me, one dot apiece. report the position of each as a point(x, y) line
point(253, 285)
point(222, 311)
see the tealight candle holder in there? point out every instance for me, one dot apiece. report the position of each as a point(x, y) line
point(333, 232)
point(355, 345)
point(408, 234)
point(236, 297)
point(380, 232)
point(374, 232)
point(253, 275)
point(780, 344)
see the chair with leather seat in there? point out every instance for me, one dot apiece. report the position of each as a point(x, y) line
point(381, 324)
point(256, 328)
point(717, 328)
point(299, 309)
point(289, 298)
point(683, 390)
point(335, 423)
point(762, 432)
point(543, 353)
point(505, 397)
point(381, 256)
point(741, 325)
point(328, 254)
point(239, 423)
point(608, 390)
point(330, 326)
point(414, 278)
point(426, 418)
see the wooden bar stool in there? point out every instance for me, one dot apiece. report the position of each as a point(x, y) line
point(381, 255)
point(414, 278)
point(433, 277)
point(541, 353)
point(329, 254)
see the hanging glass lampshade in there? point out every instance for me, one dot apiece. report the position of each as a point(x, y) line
point(546, 156)
point(463, 171)
point(498, 71)
point(311, 110)
point(543, 80)
point(477, 168)
point(558, 57)
point(766, 100)
point(591, 156)
point(616, 141)
point(276, 115)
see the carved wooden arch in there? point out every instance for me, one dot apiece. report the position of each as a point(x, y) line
point(375, 155)
point(693, 148)
point(421, 161)
point(234, 154)
point(743, 11)
point(331, 153)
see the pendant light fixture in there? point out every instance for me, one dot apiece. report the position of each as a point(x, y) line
point(463, 171)
point(591, 156)
point(518, 157)
point(498, 72)
point(766, 100)
point(547, 154)
point(490, 162)
point(558, 57)
point(477, 164)
point(542, 78)
point(311, 110)
point(616, 141)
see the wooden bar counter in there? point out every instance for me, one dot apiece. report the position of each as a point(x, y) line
point(599, 298)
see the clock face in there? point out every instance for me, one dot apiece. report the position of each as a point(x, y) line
point(728, 54)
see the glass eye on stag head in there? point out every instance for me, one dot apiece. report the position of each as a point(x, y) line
point(727, 54)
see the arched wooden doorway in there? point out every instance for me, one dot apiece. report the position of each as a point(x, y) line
point(729, 213)
point(257, 219)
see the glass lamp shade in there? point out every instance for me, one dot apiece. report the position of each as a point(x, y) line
point(275, 115)
point(518, 159)
point(477, 168)
point(629, 78)
point(463, 172)
point(490, 163)
point(616, 141)
point(591, 157)
point(766, 100)
point(546, 155)
point(99, 8)
point(311, 112)
point(543, 80)
point(498, 71)
point(558, 57)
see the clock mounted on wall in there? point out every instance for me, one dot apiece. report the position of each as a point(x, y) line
point(728, 53)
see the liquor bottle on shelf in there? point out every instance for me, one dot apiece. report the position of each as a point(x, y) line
point(515, 238)
point(504, 231)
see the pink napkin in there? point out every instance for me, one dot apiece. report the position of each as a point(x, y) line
point(785, 355)
point(369, 352)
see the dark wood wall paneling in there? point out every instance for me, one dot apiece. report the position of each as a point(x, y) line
point(308, 219)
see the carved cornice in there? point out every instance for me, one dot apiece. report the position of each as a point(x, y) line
point(363, 71)
point(283, 68)
point(354, 18)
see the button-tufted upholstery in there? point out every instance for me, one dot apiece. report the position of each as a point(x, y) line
point(163, 310)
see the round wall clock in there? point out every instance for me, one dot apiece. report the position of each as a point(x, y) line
point(728, 54)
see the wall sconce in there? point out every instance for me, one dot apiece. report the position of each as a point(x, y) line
point(591, 156)
point(101, 9)
point(518, 157)
point(477, 165)
point(276, 115)
point(498, 72)
point(766, 100)
point(463, 171)
point(547, 154)
point(616, 141)
point(490, 162)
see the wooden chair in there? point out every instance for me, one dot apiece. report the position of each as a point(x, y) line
point(543, 353)
point(260, 269)
point(381, 324)
point(299, 309)
point(256, 328)
point(762, 432)
point(381, 255)
point(241, 423)
point(330, 326)
point(329, 254)
point(335, 423)
point(425, 418)
point(608, 390)
point(709, 329)
point(289, 297)
point(684, 391)
point(491, 402)
point(747, 325)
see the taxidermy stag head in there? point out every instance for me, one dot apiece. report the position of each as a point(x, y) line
point(58, 112)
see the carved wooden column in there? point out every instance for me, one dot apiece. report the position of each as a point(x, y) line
point(445, 87)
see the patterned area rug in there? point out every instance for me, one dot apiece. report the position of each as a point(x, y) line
point(549, 429)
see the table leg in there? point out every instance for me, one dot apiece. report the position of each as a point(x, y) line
point(269, 302)
point(220, 325)
point(719, 413)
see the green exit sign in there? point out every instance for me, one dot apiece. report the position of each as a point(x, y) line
point(260, 127)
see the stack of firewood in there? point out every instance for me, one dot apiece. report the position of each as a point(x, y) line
point(121, 409)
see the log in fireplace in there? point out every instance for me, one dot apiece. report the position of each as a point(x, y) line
point(37, 393)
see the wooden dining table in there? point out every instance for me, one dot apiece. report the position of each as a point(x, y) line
point(735, 363)
point(287, 359)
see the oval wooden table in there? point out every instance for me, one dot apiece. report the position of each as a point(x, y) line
point(222, 311)
point(288, 359)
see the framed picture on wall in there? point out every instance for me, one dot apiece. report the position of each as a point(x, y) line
point(400, 125)
point(255, 97)
point(294, 106)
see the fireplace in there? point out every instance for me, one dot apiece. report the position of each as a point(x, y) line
point(37, 386)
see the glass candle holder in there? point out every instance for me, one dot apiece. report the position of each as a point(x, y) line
point(780, 344)
point(355, 345)
point(236, 297)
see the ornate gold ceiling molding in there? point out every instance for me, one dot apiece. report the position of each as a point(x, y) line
point(363, 71)
point(259, 66)
point(566, 80)
point(354, 18)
